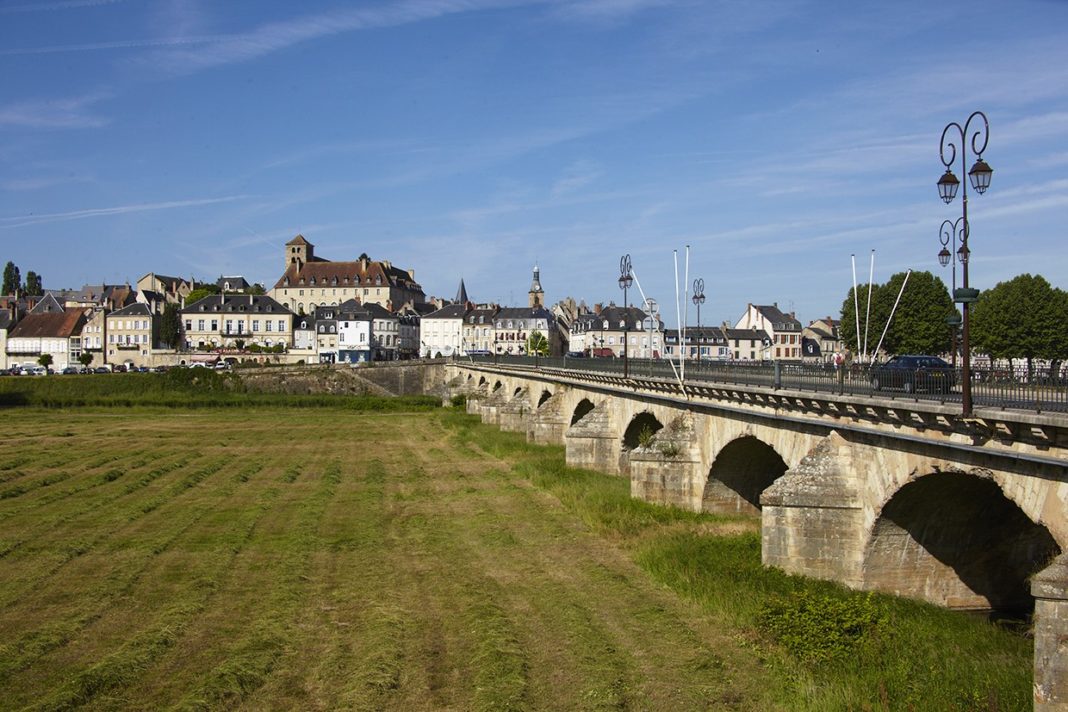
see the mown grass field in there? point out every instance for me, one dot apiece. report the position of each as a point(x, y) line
point(267, 557)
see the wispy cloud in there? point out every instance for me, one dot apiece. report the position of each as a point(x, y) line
point(20, 184)
point(577, 176)
point(66, 113)
point(276, 36)
point(117, 44)
point(16, 221)
point(54, 6)
point(606, 10)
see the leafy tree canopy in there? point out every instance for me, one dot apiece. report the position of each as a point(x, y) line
point(170, 329)
point(537, 343)
point(12, 279)
point(918, 324)
point(1024, 317)
point(34, 287)
point(199, 293)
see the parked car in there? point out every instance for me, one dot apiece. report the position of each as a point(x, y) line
point(101, 369)
point(70, 371)
point(914, 373)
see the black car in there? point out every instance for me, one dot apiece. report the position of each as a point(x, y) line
point(914, 373)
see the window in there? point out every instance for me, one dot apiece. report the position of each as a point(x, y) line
point(214, 324)
point(189, 324)
point(269, 325)
point(281, 325)
point(256, 325)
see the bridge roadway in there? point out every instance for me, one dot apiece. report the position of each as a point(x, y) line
point(897, 494)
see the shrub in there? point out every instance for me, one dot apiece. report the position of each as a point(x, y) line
point(645, 436)
point(817, 628)
point(459, 400)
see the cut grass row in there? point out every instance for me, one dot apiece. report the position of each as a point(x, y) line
point(336, 560)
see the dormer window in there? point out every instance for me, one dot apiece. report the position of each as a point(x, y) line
point(378, 279)
point(622, 324)
point(333, 281)
point(286, 282)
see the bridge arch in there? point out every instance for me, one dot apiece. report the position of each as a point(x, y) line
point(517, 391)
point(639, 424)
point(545, 395)
point(497, 386)
point(741, 471)
point(955, 539)
point(584, 407)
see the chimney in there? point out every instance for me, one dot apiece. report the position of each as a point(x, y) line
point(597, 308)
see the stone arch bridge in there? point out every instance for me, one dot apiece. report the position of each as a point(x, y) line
point(902, 496)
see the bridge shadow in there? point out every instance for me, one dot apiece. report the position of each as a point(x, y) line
point(955, 539)
point(742, 470)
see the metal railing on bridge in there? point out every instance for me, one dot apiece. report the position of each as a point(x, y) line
point(1038, 390)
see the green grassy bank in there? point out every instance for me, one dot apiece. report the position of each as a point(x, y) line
point(835, 649)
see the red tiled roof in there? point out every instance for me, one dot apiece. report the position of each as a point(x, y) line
point(348, 274)
point(55, 325)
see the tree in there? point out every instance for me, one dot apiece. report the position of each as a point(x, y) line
point(537, 343)
point(170, 328)
point(85, 358)
point(45, 360)
point(34, 287)
point(1021, 318)
point(847, 328)
point(204, 290)
point(918, 324)
point(12, 280)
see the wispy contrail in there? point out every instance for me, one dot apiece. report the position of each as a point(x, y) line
point(9, 223)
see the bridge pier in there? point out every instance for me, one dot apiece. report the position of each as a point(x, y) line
point(475, 396)
point(812, 518)
point(1050, 589)
point(667, 471)
point(489, 407)
point(549, 424)
point(512, 414)
point(592, 443)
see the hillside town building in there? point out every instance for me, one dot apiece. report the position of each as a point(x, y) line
point(310, 281)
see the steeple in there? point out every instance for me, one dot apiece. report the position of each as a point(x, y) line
point(536, 294)
point(461, 293)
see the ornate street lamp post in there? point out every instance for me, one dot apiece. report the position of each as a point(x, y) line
point(979, 176)
point(698, 300)
point(653, 311)
point(951, 232)
point(625, 280)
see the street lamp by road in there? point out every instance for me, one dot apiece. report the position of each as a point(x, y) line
point(653, 311)
point(979, 176)
point(952, 232)
point(698, 300)
point(625, 280)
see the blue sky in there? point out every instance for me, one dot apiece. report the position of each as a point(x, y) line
point(474, 138)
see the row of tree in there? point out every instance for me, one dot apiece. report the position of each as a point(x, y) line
point(1023, 318)
point(32, 287)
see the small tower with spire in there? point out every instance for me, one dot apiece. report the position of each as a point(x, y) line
point(536, 294)
point(461, 293)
